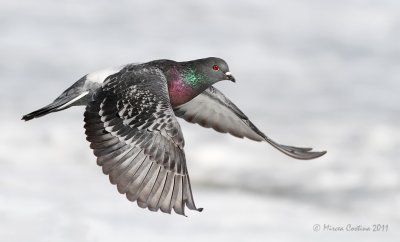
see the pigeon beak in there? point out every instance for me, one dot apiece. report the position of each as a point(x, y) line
point(230, 77)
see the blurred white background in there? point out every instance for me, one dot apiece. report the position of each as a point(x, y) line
point(313, 73)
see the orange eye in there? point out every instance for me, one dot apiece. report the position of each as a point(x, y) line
point(215, 67)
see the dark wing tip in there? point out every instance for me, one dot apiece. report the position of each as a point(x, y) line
point(196, 209)
point(26, 117)
point(299, 149)
point(296, 152)
point(183, 213)
point(304, 154)
point(312, 155)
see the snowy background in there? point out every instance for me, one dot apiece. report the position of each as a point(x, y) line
point(313, 73)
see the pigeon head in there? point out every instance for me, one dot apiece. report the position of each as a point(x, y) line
point(203, 73)
point(188, 79)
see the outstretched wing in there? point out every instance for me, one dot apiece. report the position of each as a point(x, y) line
point(211, 109)
point(138, 141)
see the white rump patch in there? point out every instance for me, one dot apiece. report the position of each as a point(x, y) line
point(73, 100)
point(100, 75)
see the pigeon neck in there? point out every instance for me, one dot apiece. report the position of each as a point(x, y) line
point(184, 84)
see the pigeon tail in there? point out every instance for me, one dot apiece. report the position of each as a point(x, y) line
point(58, 105)
point(38, 113)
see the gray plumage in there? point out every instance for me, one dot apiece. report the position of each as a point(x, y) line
point(130, 122)
point(138, 141)
point(211, 109)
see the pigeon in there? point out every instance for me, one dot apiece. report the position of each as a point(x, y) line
point(131, 124)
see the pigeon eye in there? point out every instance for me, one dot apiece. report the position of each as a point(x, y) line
point(215, 67)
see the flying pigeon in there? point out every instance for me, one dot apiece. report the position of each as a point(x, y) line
point(130, 122)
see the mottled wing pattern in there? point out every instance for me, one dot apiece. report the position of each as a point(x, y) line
point(138, 141)
point(211, 109)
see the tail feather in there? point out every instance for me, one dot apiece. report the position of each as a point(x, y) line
point(40, 112)
point(59, 104)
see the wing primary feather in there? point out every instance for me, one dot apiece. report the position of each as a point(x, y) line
point(167, 193)
point(113, 155)
point(148, 175)
point(137, 180)
point(123, 175)
point(104, 144)
point(108, 150)
point(179, 206)
point(156, 198)
point(118, 167)
point(98, 139)
point(187, 194)
point(152, 203)
point(229, 118)
point(148, 188)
